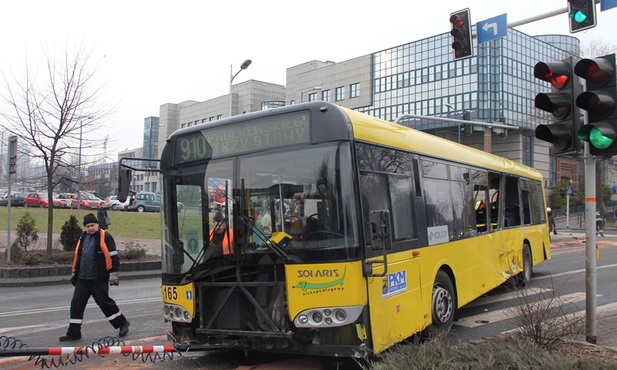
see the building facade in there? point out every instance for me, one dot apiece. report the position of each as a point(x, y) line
point(248, 96)
point(421, 78)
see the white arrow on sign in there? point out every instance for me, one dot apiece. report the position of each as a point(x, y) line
point(490, 25)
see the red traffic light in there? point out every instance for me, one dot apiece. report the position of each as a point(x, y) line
point(557, 73)
point(457, 21)
point(596, 71)
point(461, 34)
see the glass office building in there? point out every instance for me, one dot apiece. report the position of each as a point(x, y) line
point(496, 85)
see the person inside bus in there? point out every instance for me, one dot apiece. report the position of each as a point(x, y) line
point(221, 238)
point(266, 222)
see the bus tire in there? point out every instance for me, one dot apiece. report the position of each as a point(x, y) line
point(443, 305)
point(523, 278)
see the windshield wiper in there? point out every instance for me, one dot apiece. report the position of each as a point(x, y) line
point(273, 243)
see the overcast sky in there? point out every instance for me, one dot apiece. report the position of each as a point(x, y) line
point(156, 52)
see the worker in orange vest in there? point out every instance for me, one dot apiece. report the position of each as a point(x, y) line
point(221, 238)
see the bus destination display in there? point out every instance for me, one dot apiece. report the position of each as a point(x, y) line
point(271, 132)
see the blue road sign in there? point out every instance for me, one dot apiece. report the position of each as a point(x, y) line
point(492, 28)
point(607, 4)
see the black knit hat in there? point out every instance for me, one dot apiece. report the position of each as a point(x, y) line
point(90, 219)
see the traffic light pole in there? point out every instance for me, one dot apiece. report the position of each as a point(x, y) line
point(590, 248)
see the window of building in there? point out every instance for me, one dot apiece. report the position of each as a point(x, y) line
point(220, 116)
point(312, 96)
point(339, 93)
point(354, 90)
point(211, 119)
point(325, 95)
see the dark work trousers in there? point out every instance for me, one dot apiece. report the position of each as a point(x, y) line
point(99, 289)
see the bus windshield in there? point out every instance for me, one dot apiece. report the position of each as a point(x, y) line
point(307, 193)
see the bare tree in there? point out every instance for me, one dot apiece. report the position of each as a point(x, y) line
point(595, 47)
point(54, 116)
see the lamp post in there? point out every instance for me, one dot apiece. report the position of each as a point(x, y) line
point(458, 125)
point(243, 66)
point(317, 88)
point(81, 127)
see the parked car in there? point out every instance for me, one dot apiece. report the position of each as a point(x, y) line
point(66, 199)
point(146, 202)
point(40, 200)
point(17, 200)
point(4, 200)
point(113, 203)
point(88, 201)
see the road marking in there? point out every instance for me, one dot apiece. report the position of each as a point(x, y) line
point(573, 272)
point(502, 297)
point(36, 311)
point(490, 317)
point(5, 330)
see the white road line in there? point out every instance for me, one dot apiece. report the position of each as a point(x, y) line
point(573, 272)
point(490, 317)
point(503, 297)
point(36, 311)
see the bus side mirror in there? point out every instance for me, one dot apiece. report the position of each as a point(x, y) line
point(124, 183)
point(381, 229)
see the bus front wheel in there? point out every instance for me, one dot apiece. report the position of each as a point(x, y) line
point(443, 305)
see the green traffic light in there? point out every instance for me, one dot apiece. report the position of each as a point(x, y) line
point(598, 140)
point(578, 16)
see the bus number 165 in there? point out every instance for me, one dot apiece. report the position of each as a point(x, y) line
point(170, 293)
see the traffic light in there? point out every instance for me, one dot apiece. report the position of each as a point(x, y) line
point(599, 102)
point(461, 34)
point(562, 132)
point(581, 14)
point(12, 153)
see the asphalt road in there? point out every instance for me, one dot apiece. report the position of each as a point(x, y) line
point(37, 316)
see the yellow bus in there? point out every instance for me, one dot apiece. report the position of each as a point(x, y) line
point(343, 234)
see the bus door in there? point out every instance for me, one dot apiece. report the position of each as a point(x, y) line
point(393, 287)
point(509, 244)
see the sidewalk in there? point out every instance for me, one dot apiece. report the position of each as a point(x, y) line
point(61, 275)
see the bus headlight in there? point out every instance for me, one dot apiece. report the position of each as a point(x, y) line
point(176, 313)
point(327, 317)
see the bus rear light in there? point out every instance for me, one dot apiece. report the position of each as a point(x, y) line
point(327, 317)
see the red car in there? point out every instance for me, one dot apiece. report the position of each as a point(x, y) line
point(39, 200)
point(88, 201)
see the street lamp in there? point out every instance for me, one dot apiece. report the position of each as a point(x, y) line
point(458, 125)
point(317, 88)
point(81, 127)
point(243, 66)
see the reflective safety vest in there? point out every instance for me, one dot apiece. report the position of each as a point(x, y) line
point(227, 242)
point(102, 244)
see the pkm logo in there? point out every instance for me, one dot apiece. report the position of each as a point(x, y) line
point(397, 278)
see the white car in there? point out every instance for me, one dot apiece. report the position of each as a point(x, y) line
point(112, 202)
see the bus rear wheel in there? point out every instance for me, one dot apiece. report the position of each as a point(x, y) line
point(524, 277)
point(443, 306)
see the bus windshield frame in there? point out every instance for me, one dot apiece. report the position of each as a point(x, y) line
point(310, 185)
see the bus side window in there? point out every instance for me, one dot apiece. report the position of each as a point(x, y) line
point(512, 216)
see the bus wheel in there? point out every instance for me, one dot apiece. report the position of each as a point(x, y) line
point(524, 277)
point(442, 305)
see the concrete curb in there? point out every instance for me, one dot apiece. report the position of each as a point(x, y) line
point(56, 275)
